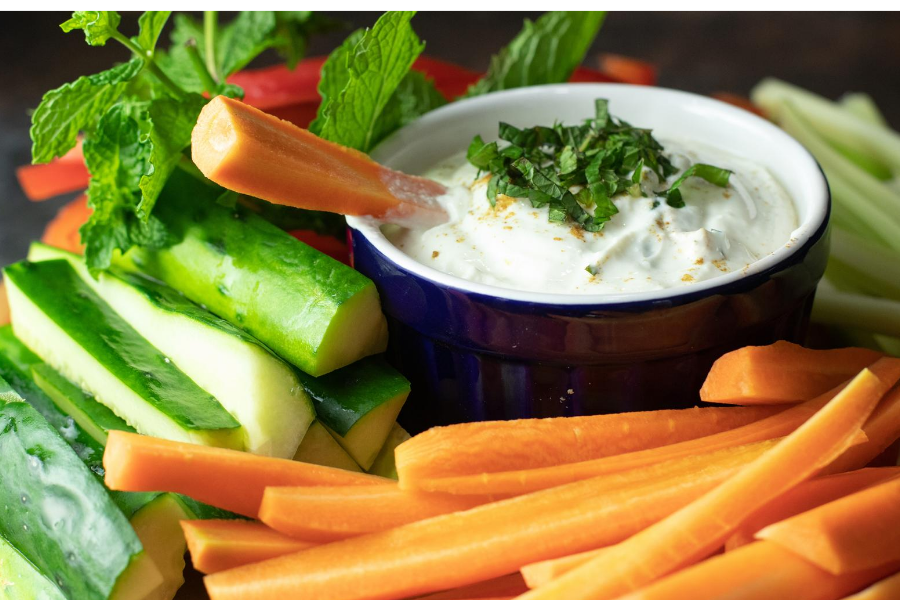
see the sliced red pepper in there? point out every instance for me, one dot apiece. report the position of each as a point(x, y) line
point(325, 244)
point(628, 70)
point(60, 176)
point(587, 75)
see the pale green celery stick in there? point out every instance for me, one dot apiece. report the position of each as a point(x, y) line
point(844, 218)
point(878, 315)
point(882, 228)
point(830, 120)
point(863, 106)
point(871, 199)
point(877, 267)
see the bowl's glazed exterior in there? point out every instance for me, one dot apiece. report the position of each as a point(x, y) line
point(476, 352)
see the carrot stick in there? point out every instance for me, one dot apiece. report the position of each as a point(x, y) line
point(807, 496)
point(325, 514)
point(227, 479)
point(488, 541)
point(886, 589)
point(508, 586)
point(471, 448)
point(62, 175)
point(701, 527)
point(63, 230)
point(254, 153)
point(219, 545)
point(782, 373)
point(882, 429)
point(542, 572)
point(853, 533)
point(760, 570)
point(529, 480)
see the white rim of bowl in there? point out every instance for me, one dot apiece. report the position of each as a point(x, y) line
point(370, 229)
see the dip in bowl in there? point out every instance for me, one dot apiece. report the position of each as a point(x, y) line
point(492, 317)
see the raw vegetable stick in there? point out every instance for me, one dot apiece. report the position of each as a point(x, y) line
point(325, 514)
point(760, 570)
point(525, 481)
point(218, 545)
point(534, 443)
point(781, 373)
point(4, 305)
point(886, 589)
point(806, 496)
point(250, 152)
point(698, 529)
point(485, 542)
point(227, 479)
point(508, 586)
point(853, 533)
point(63, 230)
point(882, 429)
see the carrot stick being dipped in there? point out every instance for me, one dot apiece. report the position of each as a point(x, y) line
point(254, 153)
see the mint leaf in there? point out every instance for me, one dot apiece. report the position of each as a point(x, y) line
point(98, 25)
point(335, 77)
point(171, 123)
point(243, 39)
point(151, 25)
point(714, 175)
point(75, 107)
point(414, 97)
point(546, 51)
point(376, 66)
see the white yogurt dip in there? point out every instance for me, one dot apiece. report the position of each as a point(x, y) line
point(648, 245)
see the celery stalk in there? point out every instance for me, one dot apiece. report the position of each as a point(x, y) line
point(878, 315)
point(879, 267)
point(864, 107)
point(833, 123)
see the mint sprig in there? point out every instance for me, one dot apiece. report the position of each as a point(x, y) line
point(600, 158)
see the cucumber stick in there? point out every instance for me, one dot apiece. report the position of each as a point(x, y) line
point(260, 390)
point(359, 405)
point(21, 580)
point(320, 448)
point(64, 322)
point(60, 517)
point(312, 310)
point(385, 464)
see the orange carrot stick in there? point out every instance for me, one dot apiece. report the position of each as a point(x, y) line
point(62, 175)
point(782, 373)
point(807, 496)
point(508, 586)
point(325, 514)
point(219, 545)
point(63, 230)
point(886, 589)
point(485, 542)
point(545, 571)
point(529, 480)
point(254, 153)
point(700, 528)
point(760, 570)
point(882, 429)
point(853, 533)
point(227, 479)
point(471, 448)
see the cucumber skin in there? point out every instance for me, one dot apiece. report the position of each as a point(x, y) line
point(59, 292)
point(251, 273)
point(345, 396)
point(87, 527)
point(20, 580)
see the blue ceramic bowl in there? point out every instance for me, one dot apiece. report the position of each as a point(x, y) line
point(476, 352)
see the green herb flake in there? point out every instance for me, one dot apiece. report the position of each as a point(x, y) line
point(597, 160)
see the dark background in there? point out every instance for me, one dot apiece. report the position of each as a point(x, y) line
point(830, 53)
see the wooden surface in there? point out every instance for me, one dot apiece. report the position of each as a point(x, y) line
point(699, 52)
